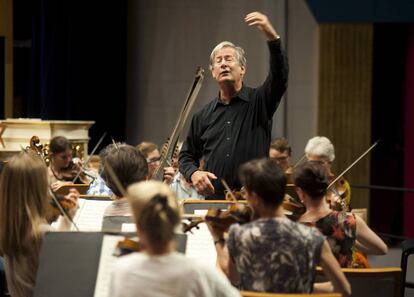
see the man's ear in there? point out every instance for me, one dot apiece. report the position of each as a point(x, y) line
point(243, 70)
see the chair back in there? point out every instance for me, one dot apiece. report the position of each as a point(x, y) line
point(407, 247)
point(259, 294)
point(366, 282)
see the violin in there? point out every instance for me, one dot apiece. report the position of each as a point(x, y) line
point(231, 195)
point(127, 246)
point(338, 195)
point(69, 173)
point(60, 205)
point(293, 206)
point(289, 175)
point(73, 173)
point(222, 219)
point(341, 188)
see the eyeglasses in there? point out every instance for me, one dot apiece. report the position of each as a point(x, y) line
point(153, 160)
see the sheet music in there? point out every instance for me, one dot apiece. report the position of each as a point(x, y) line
point(106, 263)
point(200, 243)
point(90, 214)
point(129, 227)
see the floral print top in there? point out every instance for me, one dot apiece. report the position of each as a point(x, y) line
point(340, 229)
point(275, 255)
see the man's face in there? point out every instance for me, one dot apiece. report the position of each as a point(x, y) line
point(326, 164)
point(62, 160)
point(226, 68)
point(153, 160)
point(282, 158)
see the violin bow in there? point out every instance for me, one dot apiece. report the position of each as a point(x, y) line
point(179, 125)
point(352, 165)
point(226, 186)
point(89, 158)
point(299, 161)
point(63, 210)
point(114, 143)
point(115, 178)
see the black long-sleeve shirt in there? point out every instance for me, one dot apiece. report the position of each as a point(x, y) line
point(226, 136)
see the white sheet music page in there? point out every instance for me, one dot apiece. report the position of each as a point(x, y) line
point(106, 262)
point(90, 214)
point(200, 243)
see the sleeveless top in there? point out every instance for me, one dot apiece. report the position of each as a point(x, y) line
point(340, 230)
point(275, 255)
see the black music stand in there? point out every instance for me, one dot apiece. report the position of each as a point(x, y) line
point(69, 262)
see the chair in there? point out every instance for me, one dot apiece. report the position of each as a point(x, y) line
point(407, 247)
point(366, 282)
point(258, 294)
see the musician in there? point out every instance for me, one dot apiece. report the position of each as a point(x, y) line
point(98, 186)
point(129, 166)
point(159, 270)
point(344, 231)
point(273, 253)
point(24, 216)
point(179, 184)
point(236, 126)
point(320, 148)
point(280, 151)
point(62, 169)
point(152, 155)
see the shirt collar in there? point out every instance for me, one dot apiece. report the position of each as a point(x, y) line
point(242, 94)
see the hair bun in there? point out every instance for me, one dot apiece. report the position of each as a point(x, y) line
point(160, 199)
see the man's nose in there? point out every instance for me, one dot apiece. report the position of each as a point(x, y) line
point(223, 63)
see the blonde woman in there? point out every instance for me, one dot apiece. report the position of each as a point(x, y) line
point(159, 270)
point(24, 209)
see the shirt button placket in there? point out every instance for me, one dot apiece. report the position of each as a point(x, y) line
point(228, 135)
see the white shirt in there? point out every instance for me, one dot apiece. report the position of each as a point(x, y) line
point(171, 275)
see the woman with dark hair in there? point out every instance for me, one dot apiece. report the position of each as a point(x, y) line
point(344, 230)
point(273, 253)
point(62, 170)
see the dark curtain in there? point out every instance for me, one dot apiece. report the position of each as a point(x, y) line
point(409, 136)
point(387, 160)
point(2, 74)
point(78, 63)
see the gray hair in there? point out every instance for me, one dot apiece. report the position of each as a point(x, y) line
point(240, 55)
point(322, 147)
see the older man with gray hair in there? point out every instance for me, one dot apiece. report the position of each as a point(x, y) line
point(236, 126)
